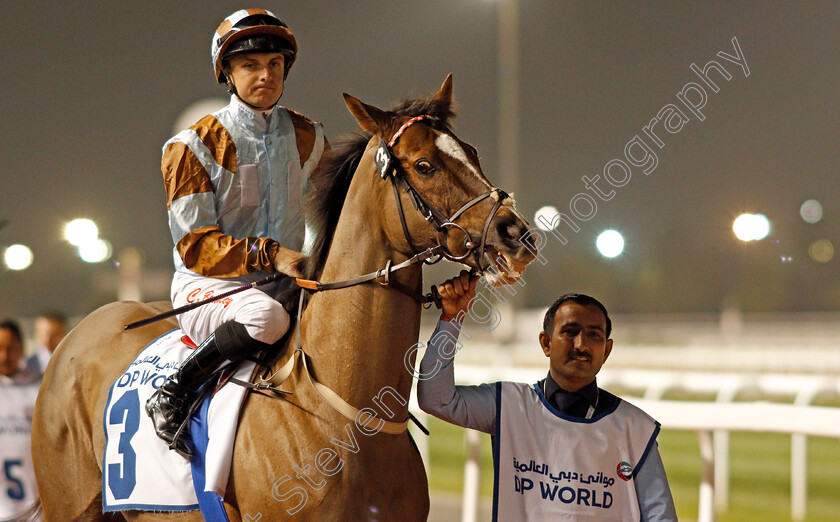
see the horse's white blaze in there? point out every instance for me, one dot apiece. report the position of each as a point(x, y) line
point(450, 146)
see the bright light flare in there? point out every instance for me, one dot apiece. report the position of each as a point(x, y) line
point(544, 217)
point(80, 231)
point(95, 251)
point(18, 257)
point(821, 251)
point(196, 111)
point(751, 227)
point(811, 211)
point(610, 243)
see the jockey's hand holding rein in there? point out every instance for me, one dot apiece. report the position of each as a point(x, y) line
point(456, 294)
point(288, 262)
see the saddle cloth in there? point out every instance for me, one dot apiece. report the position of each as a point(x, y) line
point(139, 471)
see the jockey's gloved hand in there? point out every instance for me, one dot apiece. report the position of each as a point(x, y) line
point(289, 262)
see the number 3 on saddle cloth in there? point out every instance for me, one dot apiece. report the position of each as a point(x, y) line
point(139, 471)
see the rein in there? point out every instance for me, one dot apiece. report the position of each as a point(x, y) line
point(385, 273)
point(316, 286)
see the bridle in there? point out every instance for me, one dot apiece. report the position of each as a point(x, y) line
point(389, 168)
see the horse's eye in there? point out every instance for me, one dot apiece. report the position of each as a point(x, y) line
point(424, 168)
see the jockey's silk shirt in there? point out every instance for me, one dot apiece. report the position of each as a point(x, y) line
point(234, 183)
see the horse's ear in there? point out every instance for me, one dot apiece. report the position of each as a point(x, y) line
point(445, 92)
point(371, 119)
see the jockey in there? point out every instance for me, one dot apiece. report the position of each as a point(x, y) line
point(234, 183)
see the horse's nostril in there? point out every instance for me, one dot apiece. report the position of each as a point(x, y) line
point(509, 230)
point(513, 231)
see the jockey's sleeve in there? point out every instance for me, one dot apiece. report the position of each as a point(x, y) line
point(209, 252)
point(193, 218)
point(467, 406)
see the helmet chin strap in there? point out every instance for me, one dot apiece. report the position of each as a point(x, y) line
point(232, 90)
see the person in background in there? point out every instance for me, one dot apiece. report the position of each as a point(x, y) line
point(563, 448)
point(18, 391)
point(50, 329)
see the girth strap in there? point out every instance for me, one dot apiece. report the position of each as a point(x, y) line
point(274, 382)
point(333, 399)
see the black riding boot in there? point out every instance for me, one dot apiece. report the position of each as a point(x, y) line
point(169, 406)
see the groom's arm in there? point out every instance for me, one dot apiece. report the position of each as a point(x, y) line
point(467, 406)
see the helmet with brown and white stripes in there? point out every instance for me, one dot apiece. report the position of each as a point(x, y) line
point(251, 31)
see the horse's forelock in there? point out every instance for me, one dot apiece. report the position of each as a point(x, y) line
point(439, 109)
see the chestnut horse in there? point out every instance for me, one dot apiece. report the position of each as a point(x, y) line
point(297, 455)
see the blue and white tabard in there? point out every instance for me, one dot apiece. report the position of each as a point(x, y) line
point(17, 482)
point(550, 466)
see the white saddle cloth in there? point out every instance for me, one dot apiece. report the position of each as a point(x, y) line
point(139, 471)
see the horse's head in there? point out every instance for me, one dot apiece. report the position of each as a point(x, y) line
point(441, 194)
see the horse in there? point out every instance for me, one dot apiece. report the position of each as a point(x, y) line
point(297, 454)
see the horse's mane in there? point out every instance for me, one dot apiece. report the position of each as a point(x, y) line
point(331, 180)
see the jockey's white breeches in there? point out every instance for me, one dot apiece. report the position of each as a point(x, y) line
point(264, 318)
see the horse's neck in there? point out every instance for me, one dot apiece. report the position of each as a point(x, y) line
point(358, 336)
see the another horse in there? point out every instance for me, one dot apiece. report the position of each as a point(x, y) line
point(356, 339)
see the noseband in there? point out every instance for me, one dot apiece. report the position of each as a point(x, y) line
point(389, 168)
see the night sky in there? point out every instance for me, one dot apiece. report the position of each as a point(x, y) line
point(93, 89)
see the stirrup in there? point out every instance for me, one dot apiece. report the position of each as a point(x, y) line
point(183, 428)
point(185, 449)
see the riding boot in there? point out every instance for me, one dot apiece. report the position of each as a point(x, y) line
point(169, 406)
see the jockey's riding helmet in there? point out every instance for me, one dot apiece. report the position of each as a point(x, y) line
point(251, 31)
